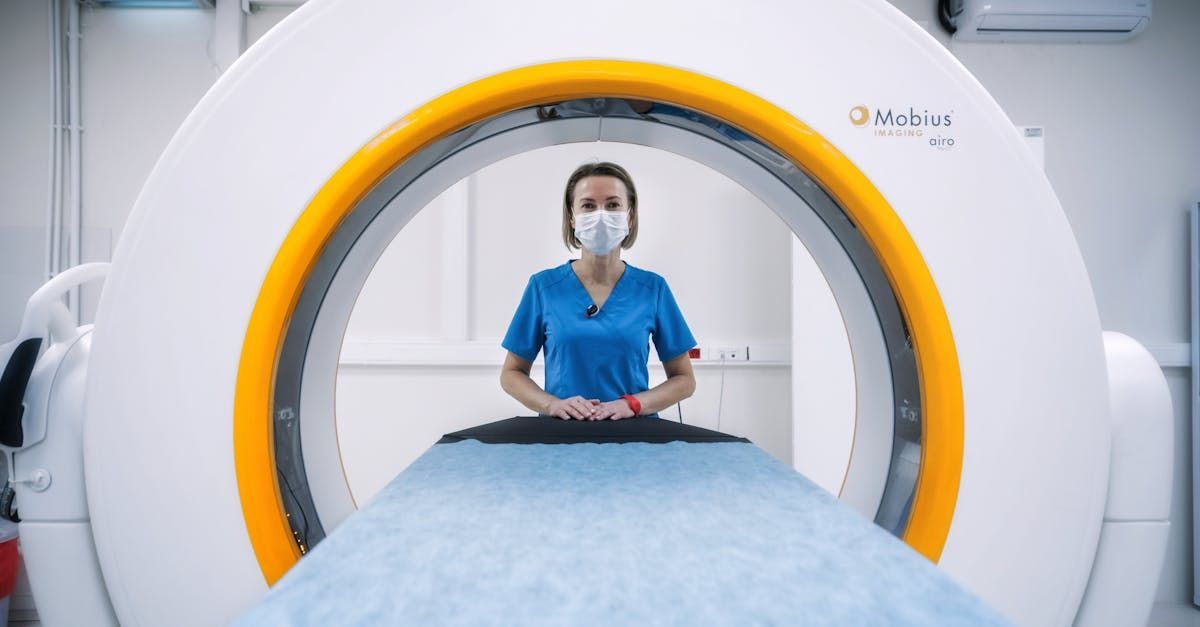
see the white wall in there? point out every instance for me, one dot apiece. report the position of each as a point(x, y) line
point(1122, 151)
point(702, 232)
point(24, 96)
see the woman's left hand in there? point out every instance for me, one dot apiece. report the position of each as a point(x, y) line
point(612, 410)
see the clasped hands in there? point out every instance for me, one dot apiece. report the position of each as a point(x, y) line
point(580, 408)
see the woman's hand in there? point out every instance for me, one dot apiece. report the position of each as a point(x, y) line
point(613, 410)
point(574, 408)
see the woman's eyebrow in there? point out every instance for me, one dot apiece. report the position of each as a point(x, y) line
point(594, 200)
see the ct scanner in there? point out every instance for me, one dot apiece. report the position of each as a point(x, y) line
point(1000, 433)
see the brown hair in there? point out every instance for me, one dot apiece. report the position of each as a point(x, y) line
point(602, 168)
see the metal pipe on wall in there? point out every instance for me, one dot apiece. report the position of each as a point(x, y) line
point(54, 173)
point(64, 201)
point(228, 40)
point(74, 239)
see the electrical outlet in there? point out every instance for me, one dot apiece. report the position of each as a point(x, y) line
point(732, 354)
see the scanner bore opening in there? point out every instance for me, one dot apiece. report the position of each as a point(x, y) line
point(585, 120)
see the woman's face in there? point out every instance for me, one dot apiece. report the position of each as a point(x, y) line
point(600, 192)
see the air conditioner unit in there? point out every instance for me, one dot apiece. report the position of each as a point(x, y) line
point(1046, 20)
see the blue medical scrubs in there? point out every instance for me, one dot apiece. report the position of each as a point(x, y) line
point(603, 356)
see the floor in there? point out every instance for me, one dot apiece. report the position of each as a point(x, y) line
point(1170, 615)
point(1163, 615)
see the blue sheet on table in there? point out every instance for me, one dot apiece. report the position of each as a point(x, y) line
point(604, 534)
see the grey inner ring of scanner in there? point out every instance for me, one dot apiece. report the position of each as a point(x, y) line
point(297, 497)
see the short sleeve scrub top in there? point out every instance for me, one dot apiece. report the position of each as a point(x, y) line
point(602, 356)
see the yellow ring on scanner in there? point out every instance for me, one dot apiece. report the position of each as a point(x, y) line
point(941, 387)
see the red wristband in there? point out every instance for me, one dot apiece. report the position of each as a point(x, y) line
point(634, 404)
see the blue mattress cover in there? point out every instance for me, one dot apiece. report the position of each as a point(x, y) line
point(611, 533)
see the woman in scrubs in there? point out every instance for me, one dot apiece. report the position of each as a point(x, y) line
point(594, 316)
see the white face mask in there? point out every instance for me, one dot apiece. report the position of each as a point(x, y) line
point(601, 231)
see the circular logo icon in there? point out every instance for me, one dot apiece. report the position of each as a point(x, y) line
point(860, 115)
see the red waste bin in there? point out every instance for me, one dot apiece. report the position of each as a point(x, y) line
point(9, 560)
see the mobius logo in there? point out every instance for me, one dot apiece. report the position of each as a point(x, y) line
point(907, 122)
point(860, 115)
